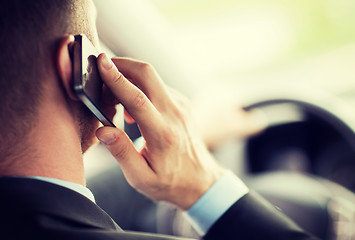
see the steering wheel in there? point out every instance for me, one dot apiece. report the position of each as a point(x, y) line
point(306, 166)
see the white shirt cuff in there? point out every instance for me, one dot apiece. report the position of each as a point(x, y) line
point(216, 201)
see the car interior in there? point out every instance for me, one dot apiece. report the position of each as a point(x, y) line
point(293, 60)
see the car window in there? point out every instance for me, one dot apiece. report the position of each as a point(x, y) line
point(238, 41)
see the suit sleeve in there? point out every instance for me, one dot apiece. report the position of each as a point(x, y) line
point(252, 217)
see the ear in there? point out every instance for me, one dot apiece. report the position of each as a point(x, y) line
point(64, 65)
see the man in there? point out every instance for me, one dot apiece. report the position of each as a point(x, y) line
point(45, 129)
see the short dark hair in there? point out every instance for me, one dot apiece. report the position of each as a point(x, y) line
point(29, 34)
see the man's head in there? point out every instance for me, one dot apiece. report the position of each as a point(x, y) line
point(30, 34)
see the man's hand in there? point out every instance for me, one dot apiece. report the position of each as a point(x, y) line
point(174, 164)
point(220, 116)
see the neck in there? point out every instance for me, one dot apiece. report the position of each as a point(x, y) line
point(53, 149)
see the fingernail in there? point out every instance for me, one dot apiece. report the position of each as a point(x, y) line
point(106, 62)
point(108, 138)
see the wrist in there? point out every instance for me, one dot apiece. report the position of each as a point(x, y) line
point(198, 187)
point(216, 201)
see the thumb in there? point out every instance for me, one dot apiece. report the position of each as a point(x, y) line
point(122, 149)
point(117, 142)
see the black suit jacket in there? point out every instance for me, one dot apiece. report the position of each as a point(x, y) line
point(33, 209)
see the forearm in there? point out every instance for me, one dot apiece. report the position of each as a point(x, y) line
point(252, 217)
point(216, 201)
point(228, 209)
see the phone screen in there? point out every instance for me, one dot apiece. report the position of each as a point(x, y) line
point(87, 81)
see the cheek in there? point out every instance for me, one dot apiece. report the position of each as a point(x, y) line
point(88, 125)
point(88, 137)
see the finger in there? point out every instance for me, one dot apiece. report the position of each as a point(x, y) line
point(131, 97)
point(145, 77)
point(133, 165)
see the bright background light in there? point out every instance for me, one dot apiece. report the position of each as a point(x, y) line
point(268, 47)
point(228, 41)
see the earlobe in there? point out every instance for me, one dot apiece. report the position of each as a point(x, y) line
point(64, 65)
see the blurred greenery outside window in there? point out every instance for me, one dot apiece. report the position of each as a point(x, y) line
point(235, 37)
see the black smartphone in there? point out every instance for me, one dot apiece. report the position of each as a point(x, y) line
point(87, 82)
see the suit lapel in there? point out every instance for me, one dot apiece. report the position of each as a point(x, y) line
point(41, 210)
point(53, 201)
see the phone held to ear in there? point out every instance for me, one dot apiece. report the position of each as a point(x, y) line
point(87, 82)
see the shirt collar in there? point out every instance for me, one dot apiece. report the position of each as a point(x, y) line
point(73, 186)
